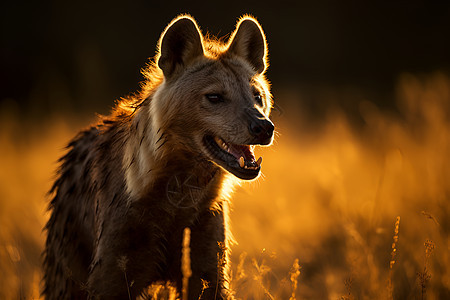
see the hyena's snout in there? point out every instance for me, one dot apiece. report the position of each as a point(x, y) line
point(261, 129)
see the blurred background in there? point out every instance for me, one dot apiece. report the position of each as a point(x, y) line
point(362, 94)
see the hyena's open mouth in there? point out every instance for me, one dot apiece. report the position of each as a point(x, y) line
point(236, 159)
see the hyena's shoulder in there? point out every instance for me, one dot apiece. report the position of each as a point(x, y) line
point(87, 165)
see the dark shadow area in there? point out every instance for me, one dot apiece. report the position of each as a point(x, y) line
point(79, 57)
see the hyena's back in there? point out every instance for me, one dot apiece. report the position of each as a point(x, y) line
point(70, 237)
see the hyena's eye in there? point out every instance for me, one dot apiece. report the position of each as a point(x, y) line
point(258, 99)
point(214, 98)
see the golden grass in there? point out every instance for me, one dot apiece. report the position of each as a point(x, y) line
point(392, 261)
point(328, 198)
point(186, 262)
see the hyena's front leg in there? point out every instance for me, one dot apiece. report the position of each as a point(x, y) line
point(209, 257)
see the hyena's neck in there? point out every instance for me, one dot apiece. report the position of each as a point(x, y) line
point(141, 160)
point(152, 156)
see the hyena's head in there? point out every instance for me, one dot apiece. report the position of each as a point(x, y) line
point(215, 100)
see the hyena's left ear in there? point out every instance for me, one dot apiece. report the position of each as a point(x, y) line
point(249, 42)
point(179, 45)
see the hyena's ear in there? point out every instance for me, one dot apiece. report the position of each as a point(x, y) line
point(179, 45)
point(249, 42)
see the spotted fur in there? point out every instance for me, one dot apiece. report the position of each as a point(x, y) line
point(131, 183)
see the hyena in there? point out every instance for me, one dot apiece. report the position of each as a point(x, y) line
point(162, 161)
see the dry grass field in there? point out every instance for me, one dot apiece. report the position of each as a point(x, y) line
point(339, 213)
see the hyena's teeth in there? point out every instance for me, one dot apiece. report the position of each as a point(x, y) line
point(224, 146)
point(259, 161)
point(241, 162)
point(221, 143)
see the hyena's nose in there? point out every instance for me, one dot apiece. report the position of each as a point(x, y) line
point(262, 130)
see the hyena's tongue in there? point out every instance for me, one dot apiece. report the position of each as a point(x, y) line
point(243, 154)
point(239, 151)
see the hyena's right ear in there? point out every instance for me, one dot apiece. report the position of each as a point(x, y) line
point(180, 44)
